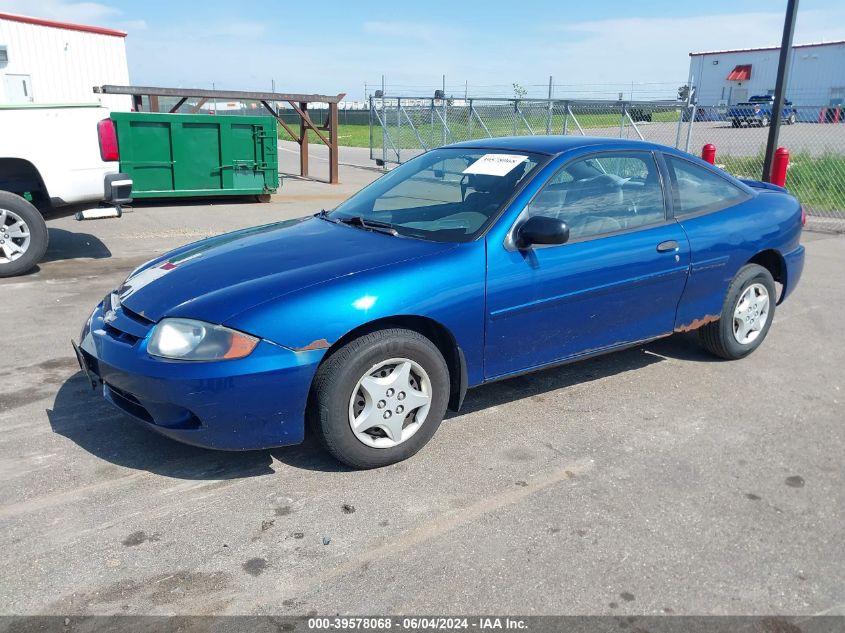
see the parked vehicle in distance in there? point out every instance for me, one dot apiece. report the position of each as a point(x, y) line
point(705, 113)
point(51, 156)
point(757, 111)
point(468, 264)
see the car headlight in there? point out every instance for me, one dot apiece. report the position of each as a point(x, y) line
point(187, 339)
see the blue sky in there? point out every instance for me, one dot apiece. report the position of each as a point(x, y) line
point(333, 47)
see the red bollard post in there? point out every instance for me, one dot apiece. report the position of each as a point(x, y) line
point(779, 165)
point(708, 153)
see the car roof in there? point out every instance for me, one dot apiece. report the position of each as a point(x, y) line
point(555, 144)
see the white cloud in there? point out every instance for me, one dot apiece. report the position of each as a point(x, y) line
point(131, 25)
point(81, 12)
point(428, 32)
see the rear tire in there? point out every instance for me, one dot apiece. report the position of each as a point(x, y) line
point(764, 122)
point(23, 235)
point(744, 321)
point(735, 123)
point(791, 119)
point(358, 415)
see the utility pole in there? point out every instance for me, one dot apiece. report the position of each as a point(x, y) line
point(780, 86)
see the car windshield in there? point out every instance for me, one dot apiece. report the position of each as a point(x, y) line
point(445, 195)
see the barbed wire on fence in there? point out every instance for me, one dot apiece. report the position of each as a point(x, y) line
point(638, 90)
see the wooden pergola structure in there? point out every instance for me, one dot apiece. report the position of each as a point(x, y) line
point(325, 131)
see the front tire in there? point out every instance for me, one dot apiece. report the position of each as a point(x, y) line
point(23, 235)
point(380, 398)
point(746, 315)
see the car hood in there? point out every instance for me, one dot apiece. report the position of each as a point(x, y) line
point(220, 277)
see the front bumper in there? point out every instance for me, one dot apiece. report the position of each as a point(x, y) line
point(252, 403)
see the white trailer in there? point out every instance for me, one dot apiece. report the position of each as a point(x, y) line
point(44, 61)
point(728, 77)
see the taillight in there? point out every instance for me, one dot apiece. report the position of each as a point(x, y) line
point(803, 216)
point(108, 140)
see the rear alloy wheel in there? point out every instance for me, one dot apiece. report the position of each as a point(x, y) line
point(746, 316)
point(751, 313)
point(764, 122)
point(791, 119)
point(23, 235)
point(380, 398)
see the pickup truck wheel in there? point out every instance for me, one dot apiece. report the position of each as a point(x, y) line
point(380, 398)
point(746, 316)
point(23, 235)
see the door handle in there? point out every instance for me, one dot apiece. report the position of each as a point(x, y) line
point(667, 246)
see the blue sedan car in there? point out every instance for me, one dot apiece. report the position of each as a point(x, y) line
point(468, 264)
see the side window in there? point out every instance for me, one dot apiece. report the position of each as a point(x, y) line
point(603, 194)
point(698, 189)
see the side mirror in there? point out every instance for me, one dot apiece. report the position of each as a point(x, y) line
point(540, 229)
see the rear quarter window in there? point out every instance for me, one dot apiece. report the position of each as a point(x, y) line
point(697, 189)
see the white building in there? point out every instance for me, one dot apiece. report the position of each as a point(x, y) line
point(42, 61)
point(816, 74)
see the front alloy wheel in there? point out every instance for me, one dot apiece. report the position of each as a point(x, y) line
point(390, 403)
point(380, 398)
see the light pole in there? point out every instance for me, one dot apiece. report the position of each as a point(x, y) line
point(780, 86)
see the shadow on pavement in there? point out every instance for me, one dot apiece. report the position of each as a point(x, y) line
point(152, 203)
point(678, 347)
point(74, 244)
point(86, 419)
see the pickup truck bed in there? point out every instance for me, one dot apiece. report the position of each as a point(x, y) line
point(51, 156)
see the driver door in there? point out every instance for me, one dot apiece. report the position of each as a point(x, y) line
point(616, 281)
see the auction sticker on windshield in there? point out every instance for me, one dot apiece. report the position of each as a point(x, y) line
point(495, 164)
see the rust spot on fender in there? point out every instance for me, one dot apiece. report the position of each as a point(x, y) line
point(697, 323)
point(318, 344)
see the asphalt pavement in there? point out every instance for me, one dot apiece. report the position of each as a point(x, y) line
point(650, 481)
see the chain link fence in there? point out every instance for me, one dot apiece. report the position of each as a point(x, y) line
point(403, 127)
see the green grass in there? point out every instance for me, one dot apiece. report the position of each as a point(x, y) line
point(348, 135)
point(817, 181)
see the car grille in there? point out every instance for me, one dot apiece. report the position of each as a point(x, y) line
point(122, 337)
point(123, 324)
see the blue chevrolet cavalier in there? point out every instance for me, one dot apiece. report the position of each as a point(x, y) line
point(468, 264)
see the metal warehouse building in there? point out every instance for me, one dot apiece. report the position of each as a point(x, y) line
point(42, 61)
point(816, 74)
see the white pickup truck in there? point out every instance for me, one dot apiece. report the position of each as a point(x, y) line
point(50, 157)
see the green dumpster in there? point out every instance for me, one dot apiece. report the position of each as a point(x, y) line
point(195, 155)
